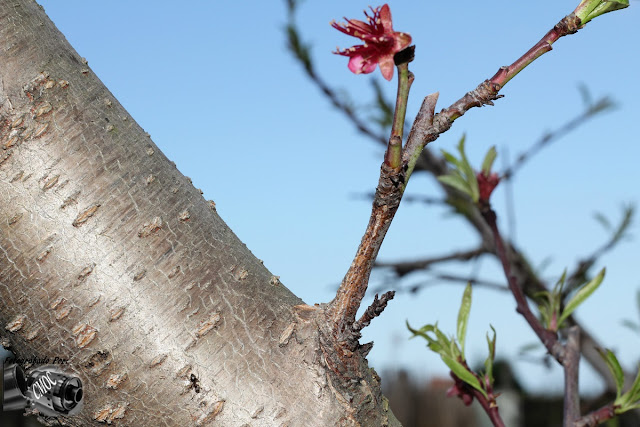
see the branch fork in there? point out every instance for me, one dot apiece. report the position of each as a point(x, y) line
point(399, 163)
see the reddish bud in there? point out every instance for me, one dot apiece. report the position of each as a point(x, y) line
point(460, 389)
point(486, 184)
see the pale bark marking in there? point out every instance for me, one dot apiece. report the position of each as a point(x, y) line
point(85, 215)
point(150, 228)
point(16, 324)
point(158, 360)
point(115, 380)
point(84, 334)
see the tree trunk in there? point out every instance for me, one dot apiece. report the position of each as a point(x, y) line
point(110, 258)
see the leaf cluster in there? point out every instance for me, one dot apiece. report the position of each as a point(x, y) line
point(462, 176)
point(451, 350)
point(589, 9)
point(624, 401)
point(551, 309)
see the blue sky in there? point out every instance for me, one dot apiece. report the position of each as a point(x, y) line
point(213, 84)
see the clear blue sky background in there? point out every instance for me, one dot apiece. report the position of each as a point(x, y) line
point(214, 85)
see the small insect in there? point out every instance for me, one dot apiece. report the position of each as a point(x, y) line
point(195, 383)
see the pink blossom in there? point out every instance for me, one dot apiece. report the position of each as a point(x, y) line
point(380, 42)
point(486, 184)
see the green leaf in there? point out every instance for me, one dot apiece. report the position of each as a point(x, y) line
point(631, 396)
point(467, 170)
point(607, 6)
point(425, 328)
point(631, 407)
point(489, 158)
point(615, 368)
point(560, 283)
point(551, 308)
point(463, 316)
point(450, 158)
point(463, 373)
point(475, 192)
point(460, 146)
point(589, 9)
point(454, 350)
point(634, 392)
point(422, 331)
point(456, 182)
point(582, 294)
point(433, 345)
point(488, 363)
point(442, 339)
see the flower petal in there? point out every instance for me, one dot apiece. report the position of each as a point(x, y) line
point(385, 18)
point(386, 67)
point(402, 40)
point(359, 65)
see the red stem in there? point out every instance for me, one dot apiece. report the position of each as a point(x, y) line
point(568, 25)
point(547, 337)
point(596, 417)
point(491, 410)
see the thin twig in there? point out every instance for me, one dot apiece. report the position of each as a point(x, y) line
point(342, 309)
point(548, 338)
point(406, 267)
point(595, 418)
point(436, 165)
point(438, 278)
point(407, 198)
point(601, 105)
point(509, 198)
point(578, 276)
point(473, 281)
point(374, 310)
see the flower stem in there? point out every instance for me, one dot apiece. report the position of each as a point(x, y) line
point(393, 156)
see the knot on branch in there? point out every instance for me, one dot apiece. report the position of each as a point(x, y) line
point(570, 24)
point(486, 93)
point(374, 310)
point(389, 190)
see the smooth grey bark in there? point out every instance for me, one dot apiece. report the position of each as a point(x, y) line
point(109, 257)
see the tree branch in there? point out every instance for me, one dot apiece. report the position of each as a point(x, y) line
point(571, 365)
point(595, 418)
point(428, 161)
point(601, 105)
point(374, 310)
point(439, 277)
point(405, 267)
point(548, 338)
